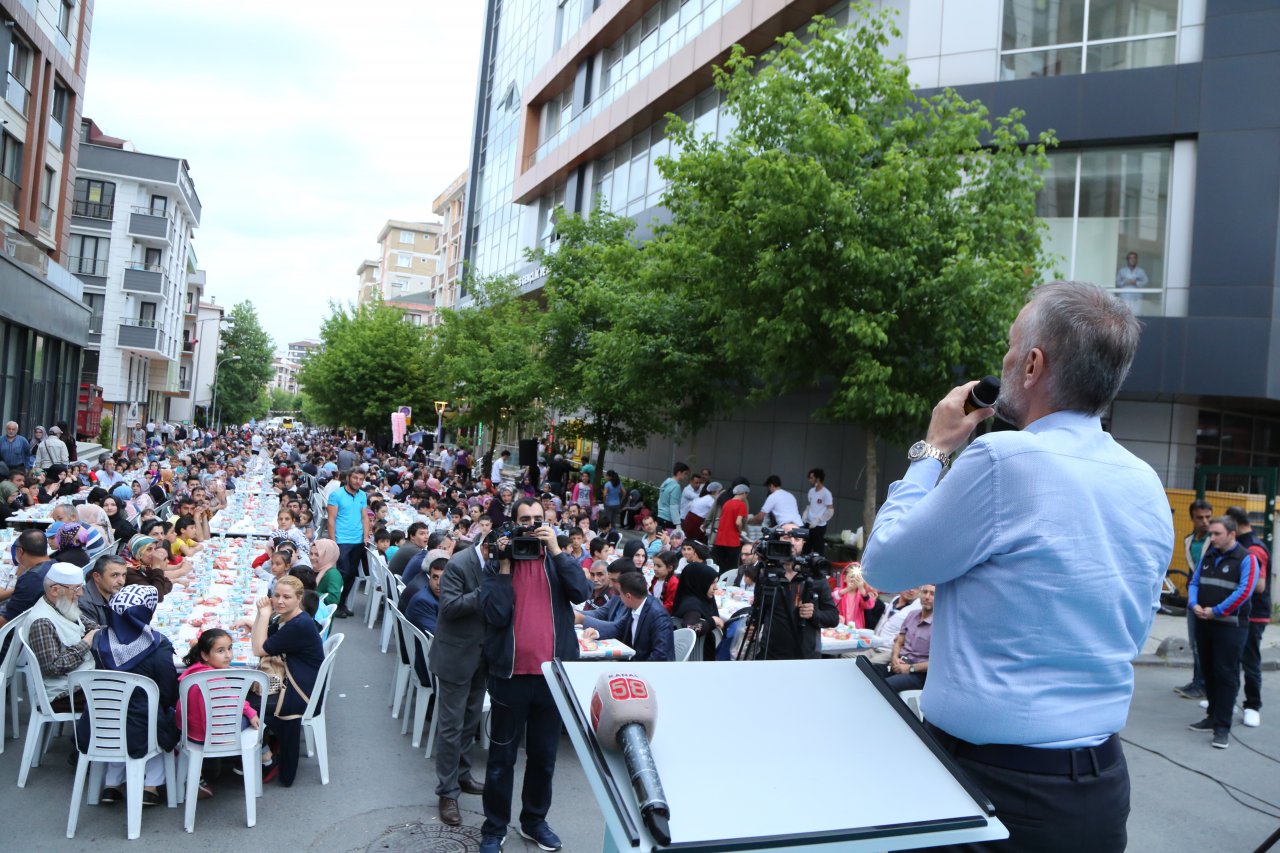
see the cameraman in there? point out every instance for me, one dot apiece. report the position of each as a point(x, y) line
point(792, 633)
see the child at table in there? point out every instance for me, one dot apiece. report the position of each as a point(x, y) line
point(855, 598)
point(183, 543)
point(211, 650)
point(664, 584)
point(281, 561)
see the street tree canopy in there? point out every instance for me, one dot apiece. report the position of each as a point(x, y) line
point(851, 235)
point(241, 383)
point(370, 362)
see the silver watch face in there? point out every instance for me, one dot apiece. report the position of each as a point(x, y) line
point(917, 451)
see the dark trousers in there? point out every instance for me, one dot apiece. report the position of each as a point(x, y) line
point(1220, 645)
point(458, 711)
point(901, 681)
point(350, 555)
point(521, 703)
point(1197, 674)
point(289, 738)
point(726, 556)
point(1251, 663)
point(817, 541)
point(1053, 814)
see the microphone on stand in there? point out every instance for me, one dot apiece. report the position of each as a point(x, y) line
point(623, 715)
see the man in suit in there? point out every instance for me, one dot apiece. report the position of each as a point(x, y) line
point(460, 670)
point(644, 624)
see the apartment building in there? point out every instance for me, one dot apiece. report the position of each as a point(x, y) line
point(285, 375)
point(298, 351)
point(130, 244)
point(201, 339)
point(1168, 127)
point(44, 325)
point(449, 207)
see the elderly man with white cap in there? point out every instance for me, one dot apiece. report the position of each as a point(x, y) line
point(61, 635)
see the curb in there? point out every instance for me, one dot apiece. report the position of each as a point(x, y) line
point(1270, 663)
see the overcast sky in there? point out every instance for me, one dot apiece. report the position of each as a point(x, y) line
point(306, 126)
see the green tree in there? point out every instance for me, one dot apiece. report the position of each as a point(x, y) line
point(486, 358)
point(281, 401)
point(241, 383)
point(370, 362)
point(852, 235)
point(622, 343)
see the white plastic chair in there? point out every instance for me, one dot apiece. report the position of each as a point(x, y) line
point(403, 659)
point(9, 675)
point(912, 698)
point(684, 640)
point(418, 695)
point(377, 584)
point(362, 580)
point(324, 618)
point(106, 696)
point(313, 720)
point(224, 692)
point(394, 587)
point(42, 713)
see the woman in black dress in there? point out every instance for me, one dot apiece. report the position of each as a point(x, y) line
point(695, 606)
point(290, 634)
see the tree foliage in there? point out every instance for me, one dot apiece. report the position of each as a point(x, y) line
point(370, 362)
point(281, 400)
point(486, 358)
point(850, 234)
point(241, 383)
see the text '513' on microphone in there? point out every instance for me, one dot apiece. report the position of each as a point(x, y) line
point(623, 715)
point(983, 395)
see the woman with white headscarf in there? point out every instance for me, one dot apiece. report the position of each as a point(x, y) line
point(127, 643)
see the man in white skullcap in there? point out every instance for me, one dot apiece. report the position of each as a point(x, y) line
point(61, 635)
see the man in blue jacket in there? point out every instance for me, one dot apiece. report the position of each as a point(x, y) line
point(528, 621)
point(643, 624)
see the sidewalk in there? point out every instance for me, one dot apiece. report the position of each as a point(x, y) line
point(1167, 645)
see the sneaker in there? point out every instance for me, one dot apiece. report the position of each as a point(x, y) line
point(204, 792)
point(110, 795)
point(542, 836)
point(492, 843)
point(343, 613)
point(1204, 703)
point(1252, 718)
point(1205, 726)
point(1221, 740)
point(270, 772)
point(1190, 691)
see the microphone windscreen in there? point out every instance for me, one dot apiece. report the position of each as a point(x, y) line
point(983, 395)
point(621, 699)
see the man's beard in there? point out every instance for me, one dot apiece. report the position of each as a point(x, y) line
point(68, 608)
point(1011, 406)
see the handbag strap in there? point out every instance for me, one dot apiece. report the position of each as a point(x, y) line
point(280, 699)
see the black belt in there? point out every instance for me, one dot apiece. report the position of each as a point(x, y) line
point(1083, 761)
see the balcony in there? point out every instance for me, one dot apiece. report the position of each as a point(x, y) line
point(188, 348)
point(138, 334)
point(57, 134)
point(93, 209)
point(9, 192)
point(91, 271)
point(17, 95)
point(144, 278)
point(95, 330)
point(150, 225)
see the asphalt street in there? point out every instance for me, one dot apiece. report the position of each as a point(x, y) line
point(380, 796)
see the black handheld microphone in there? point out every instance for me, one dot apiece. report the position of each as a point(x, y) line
point(623, 714)
point(983, 395)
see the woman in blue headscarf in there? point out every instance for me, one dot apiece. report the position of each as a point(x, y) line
point(127, 643)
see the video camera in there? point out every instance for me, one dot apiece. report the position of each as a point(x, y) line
point(522, 544)
point(775, 551)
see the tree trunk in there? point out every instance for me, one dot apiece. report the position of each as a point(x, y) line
point(872, 486)
point(597, 479)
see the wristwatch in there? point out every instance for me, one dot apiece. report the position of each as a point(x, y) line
point(922, 449)
point(912, 669)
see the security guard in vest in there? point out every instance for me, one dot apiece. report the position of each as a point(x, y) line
point(1219, 595)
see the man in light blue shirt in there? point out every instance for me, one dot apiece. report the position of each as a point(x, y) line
point(349, 526)
point(1065, 535)
point(669, 496)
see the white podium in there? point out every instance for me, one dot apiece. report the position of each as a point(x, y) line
point(878, 784)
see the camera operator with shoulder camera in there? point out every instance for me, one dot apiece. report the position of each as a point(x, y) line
point(526, 599)
point(793, 599)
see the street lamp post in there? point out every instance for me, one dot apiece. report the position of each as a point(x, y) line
point(216, 368)
point(440, 407)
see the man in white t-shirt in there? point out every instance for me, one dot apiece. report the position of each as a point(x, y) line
point(256, 442)
point(781, 504)
point(495, 473)
point(689, 494)
point(818, 512)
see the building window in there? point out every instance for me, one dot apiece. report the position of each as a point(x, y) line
point(1075, 36)
point(88, 255)
point(1107, 211)
point(159, 205)
point(94, 199)
point(403, 260)
point(66, 14)
point(10, 170)
point(407, 237)
point(58, 115)
point(46, 198)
